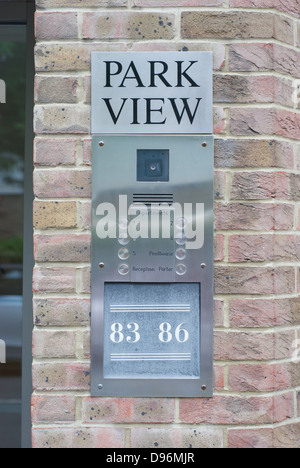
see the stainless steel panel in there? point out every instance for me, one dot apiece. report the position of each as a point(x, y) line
point(188, 198)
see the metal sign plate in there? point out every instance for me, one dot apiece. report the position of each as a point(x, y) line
point(152, 93)
point(152, 290)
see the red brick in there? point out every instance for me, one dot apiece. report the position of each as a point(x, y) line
point(254, 280)
point(227, 409)
point(54, 152)
point(56, 25)
point(179, 3)
point(260, 186)
point(264, 312)
point(285, 436)
point(254, 216)
point(253, 153)
point(218, 248)
point(250, 438)
point(258, 378)
point(265, 121)
point(65, 376)
point(128, 25)
point(287, 6)
point(53, 408)
point(42, 4)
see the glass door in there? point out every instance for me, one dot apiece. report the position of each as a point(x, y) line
point(12, 161)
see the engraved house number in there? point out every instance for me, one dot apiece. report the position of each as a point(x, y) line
point(133, 335)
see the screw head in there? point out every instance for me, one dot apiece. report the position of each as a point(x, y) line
point(101, 265)
point(101, 143)
point(204, 387)
point(204, 144)
point(203, 265)
point(100, 386)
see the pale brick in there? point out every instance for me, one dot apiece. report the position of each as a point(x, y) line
point(57, 119)
point(54, 152)
point(79, 437)
point(128, 25)
point(56, 89)
point(218, 248)
point(264, 248)
point(254, 280)
point(85, 280)
point(62, 248)
point(250, 438)
point(58, 215)
point(53, 408)
point(264, 57)
point(265, 121)
point(61, 376)
point(253, 89)
point(56, 25)
point(260, 186)
point(194, 437)
point(179, 3)
point(70, 56)
point(59, 279)
point(234, 24)
point(287, 6)
point(248, 346)
point(62, 183)
point(87, 151)
point(220, 184)
point(253, 153)
point(53, 344)
point(128, 410)
point(219, 311)
point(61, 312)
point(219, 117)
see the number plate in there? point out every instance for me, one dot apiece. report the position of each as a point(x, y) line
point(151, 331)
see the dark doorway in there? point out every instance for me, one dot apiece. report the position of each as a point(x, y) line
point(16, 103)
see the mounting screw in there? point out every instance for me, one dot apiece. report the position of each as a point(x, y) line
point(204, 144)
point(101, 143)
point(100, 386)
point(203, 265)
point(204, 387)
point(101, 265)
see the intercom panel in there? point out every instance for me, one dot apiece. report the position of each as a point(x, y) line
point(152, 265)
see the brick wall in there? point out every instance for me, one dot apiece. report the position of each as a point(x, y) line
point(257, 217)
